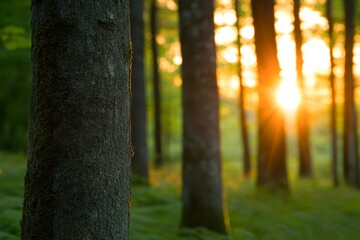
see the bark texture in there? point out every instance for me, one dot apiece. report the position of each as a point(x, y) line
point(271, 149)
point(242, 114)
point(138, 100)
point(351, 164)
point(77, 184)
point(302, 114)
point(157, 87)
point(329, 14)
point(202, 191)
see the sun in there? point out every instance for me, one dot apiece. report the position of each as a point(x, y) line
point(288, 96)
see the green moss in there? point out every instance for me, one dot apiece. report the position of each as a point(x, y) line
point(313, 210)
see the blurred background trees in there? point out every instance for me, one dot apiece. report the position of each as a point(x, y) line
point(138, 98)
point(202, 197)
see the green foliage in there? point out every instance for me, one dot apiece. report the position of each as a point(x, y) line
point(15, 12)
point(12, 168)
point(15, 75)
point(14, 37)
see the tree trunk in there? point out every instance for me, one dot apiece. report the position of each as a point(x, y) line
point(77, 184)
point(202, 191)
point(302, 114)
point(157, 90)
point(329, 13)
point(272, 172)
point(242, 115)
point(351, 165)
point(138, 106)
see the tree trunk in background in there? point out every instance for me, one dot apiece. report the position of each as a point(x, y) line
point(351, 165)
point(202, 191)
point(242, 115)
point(272, 171)
point(329, 13)
point(138, 106)
point(77, 184)
point(157, 90)
point(302, 114)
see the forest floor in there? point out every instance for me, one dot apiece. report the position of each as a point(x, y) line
point(313, 210)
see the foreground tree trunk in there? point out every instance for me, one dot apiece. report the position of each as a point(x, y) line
point(157, 90)
point(302, 114)
point(138, 104)
point(202, 191)
point(351, 164)
point(77, 184)
point(329, 13)
point(242, 115)
point(271, 150)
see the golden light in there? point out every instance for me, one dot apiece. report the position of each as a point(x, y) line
point(166, 66)
point(310, 81)
point(357, 48)
point(225, 35)
point(284, 22)
point(357, 70)
point(228, 86)
point(312, 18)
point(229, 17)
point(234, 82)
point(338, 52)
point(248, 57)
point(339, 71)
point(177, 81)
point(316, 57)
point(338, 27)
point(230, 54)
point(177, 60)
point(247, 32)
point(249, 77)
point(160, 40)
point(288, 96)
point(169, 4)
point(286, 50)
point(226, 3)
point(218, 17)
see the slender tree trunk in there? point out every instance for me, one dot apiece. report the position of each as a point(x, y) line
point(77, 184)
point(157, 90)
point(302, 115)
point(329, 13)
point(242, 115)
point(138, 106)
point(272, 172)
point(351, 165)
point(202, 191)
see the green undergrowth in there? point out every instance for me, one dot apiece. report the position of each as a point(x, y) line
point(12, 169)
point(313, 210)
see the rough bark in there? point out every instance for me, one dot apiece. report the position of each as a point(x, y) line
point(242, 114)
point(302, 114)
point(77, 184)
point(202, 191)
point(138, 104)
point(157, 86)
point(351, 164)
point(329, 14)
point(272, 171)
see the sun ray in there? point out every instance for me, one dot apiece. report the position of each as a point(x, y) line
point(288, 96)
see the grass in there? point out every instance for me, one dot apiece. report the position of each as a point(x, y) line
point(314, 210)
point(12, 169)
